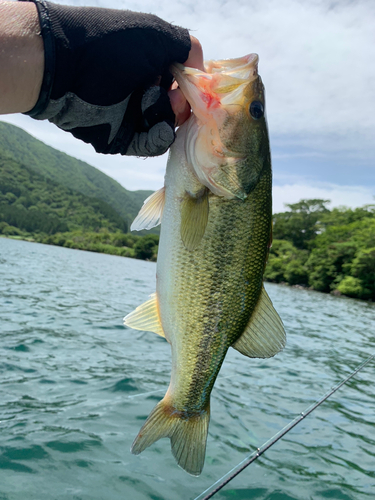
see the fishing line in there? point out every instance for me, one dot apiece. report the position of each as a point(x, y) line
point(214, 488)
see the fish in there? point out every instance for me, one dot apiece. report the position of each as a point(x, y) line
point(216, 230)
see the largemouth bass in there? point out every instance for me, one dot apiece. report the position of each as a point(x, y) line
point(215, 236)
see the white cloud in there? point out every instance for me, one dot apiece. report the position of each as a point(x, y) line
point(349, 196)
point(316, 59)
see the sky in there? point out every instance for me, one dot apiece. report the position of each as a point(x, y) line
point(317, 64)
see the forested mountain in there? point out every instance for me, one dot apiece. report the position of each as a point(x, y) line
point(33, 203)
point(49, 197)
point(67, 171)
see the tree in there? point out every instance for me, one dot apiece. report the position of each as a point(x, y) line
point(286, 264)
point(361, 282)
point(300, 225)
point(327, 265)
point(146, 248)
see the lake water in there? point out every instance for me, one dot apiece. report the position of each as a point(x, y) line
point(76, 386)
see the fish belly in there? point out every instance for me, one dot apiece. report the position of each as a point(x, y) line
point(207, 295)
point(205, 298)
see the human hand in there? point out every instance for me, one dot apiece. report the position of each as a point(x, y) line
point(106, 77)
point(180, 106)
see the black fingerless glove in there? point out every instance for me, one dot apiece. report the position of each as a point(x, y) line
point(101, 67)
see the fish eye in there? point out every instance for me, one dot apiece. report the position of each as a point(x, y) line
point(256, 109)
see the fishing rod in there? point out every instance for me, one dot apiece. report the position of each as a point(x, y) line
point(218, 485)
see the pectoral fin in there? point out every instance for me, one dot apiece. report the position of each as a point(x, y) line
point(151, 212)
point(146, 317)
point(264, 335)
point(194, 218)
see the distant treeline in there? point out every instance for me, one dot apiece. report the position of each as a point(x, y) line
point(124, 245)
point(36, 208)
point(19, 148)
point(331, 251)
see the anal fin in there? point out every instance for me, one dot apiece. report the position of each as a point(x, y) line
point(264, 335)
point(146, 317)
point(151, 212)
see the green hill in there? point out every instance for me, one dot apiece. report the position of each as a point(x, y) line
point(36, 208)
point(33, 203)
point(67, 171)
point(50, 197)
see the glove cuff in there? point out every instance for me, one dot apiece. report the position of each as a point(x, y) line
point(76, 52)
point(99, 64)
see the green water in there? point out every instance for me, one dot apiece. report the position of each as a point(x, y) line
point(76, 386)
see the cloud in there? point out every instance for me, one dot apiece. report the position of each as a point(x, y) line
point(349, 196)
point(314, 56)
point(316, 59)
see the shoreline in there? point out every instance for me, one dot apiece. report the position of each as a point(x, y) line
point(122, 252)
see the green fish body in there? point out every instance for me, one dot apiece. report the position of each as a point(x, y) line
point(216, 209)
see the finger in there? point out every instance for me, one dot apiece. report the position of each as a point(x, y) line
point(174, 85)
point(195, 59)
point(180, 106)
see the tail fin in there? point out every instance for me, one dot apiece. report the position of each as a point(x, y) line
point(188, 435)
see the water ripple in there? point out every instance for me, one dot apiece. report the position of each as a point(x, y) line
point(75, 387)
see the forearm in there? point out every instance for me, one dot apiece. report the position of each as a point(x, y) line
point(21, 57)
point(101, 74)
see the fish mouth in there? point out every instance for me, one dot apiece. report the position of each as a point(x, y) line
point(221, 85)
point(240, 67)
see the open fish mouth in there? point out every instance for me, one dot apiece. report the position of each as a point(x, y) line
point(221, 85)
point(216, 95)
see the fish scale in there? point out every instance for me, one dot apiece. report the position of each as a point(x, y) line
point(214, 242)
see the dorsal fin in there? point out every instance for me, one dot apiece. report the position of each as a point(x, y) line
point(146, 317)
point(194, 218)
point(151, 212)
point(264, 335)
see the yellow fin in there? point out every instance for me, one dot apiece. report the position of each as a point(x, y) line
point(264, 335)
point(146, 317)
point(194, 217)
point(187, 432)
point(151, 212)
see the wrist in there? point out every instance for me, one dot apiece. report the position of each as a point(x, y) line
point(21, 57)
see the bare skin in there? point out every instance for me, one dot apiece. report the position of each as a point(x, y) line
point(22, 61)
point(180, 106)
point(21, 57)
